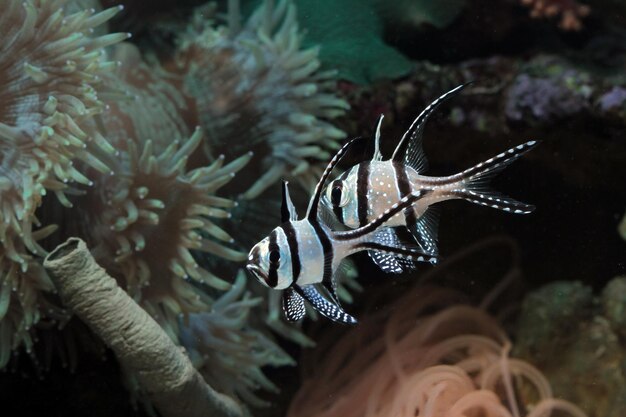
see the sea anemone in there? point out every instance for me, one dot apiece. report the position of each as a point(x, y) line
point(154, 106)
point(144, 221)
point(227, 351)
point(446, 364)
point(256, 88)
point(50, 88)
point(23, 300)
point(431, 355)
point(50, 85)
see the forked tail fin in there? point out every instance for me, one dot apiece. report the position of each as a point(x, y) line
point(476, 179)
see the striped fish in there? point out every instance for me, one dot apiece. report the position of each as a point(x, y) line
point(370, 188)
point(299, 254)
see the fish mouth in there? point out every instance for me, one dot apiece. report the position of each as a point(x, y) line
point(257, 272)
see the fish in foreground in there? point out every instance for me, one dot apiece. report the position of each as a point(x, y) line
point(370, 188)
point(299, 254)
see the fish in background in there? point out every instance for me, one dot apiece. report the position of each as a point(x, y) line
point(300, 254)
point(370, 188)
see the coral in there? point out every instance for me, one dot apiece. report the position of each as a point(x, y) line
point(51, 68)
point(256, 88)
point(570, 11)
point(577, 341)
point(227, 351)
point(547, 98)
point(412, 362)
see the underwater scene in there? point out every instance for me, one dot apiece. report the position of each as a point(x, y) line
point(313, 208)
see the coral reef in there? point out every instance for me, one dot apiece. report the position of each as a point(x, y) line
point(257, 88)
point(570, 11)
point(578, 341)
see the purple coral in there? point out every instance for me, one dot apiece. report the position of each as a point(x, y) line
point(546, 99)
point(613, 99)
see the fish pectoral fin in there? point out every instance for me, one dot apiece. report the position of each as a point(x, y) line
point(293, 305)
point(323, 306)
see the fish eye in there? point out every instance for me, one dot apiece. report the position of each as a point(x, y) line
point(338, 195)
point(274, 256)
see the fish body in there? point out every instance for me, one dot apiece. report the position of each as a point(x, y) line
point(299, 254)
point(370, 188)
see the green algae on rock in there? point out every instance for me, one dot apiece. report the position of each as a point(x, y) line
point(349, 34)
point(574, 338)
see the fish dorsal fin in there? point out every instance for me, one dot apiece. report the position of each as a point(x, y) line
point(426, 231)
point(287, 209)
point(293, 305)
point(323, 306)
point(311, 213)
point(409, 149)
point(377, 155)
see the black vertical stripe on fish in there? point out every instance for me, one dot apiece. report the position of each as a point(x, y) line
point(404, 203)
point(327, 249)
point(362, 186)
point(311, 212)
point(404, 186)
point(285, 213)
point(272, 275)
point(294, 251)
point(336, 194)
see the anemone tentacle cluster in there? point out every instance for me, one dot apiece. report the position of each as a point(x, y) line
point(51, 86)
point(256, 87)
point(83, 116)
point(218, 342)
point(148, 216)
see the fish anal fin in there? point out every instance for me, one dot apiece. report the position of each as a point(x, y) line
point(386, 262)
point(404, 251)
point(323, 306)
point(425, 231)
point(293, 305)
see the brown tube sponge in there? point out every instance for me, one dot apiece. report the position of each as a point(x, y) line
point(164, 371)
